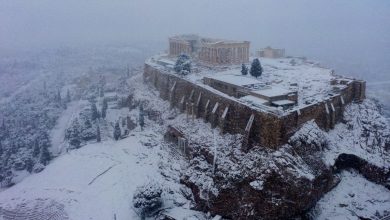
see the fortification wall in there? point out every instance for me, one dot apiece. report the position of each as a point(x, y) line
point(266, 129)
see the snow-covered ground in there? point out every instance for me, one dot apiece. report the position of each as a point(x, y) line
point(353, 198)
point(96, 181)
point(58, 132)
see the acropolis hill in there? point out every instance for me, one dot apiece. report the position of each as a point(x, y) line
point(266, 110)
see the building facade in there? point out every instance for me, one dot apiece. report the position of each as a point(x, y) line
point(210, 51)
point(269, 52)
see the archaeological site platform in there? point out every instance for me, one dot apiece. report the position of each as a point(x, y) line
point(266, 110)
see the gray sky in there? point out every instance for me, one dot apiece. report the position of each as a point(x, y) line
point(357, 30)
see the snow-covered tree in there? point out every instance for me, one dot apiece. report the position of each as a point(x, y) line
point(73, 133)
point(104, 108)
point(256, 69)
point(98, 138)
point(183, 64)
point(45, 156)
point(101, 94)
point(68, 98)
point(141, 117)
point(36, 149)
point(44, 144)
point(117, 131)
point(147, 199)
point(29, 164)
point(94, 111)
point(58, 98)
point(244, 70)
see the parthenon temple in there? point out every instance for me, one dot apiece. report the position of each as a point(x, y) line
point(210, 51)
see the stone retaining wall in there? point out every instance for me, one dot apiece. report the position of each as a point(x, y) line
point(266, 129)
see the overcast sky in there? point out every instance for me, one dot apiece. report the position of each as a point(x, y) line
point(323, 28)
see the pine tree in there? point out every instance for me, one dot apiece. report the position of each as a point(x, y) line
point(117, 131)
point(29, 164)
point(256, 69)
point(147, 199)
point(68, 98)
point(244, 70)
point(183, 64)
point(87, 124)
point(98, 138)
point(73, 133)
point(104, 108)
point(94, 111)
point(141, 117)
point(101, 92)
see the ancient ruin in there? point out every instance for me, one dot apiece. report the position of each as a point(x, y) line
point(210, 51)
point(266, 110)
point(270, 52)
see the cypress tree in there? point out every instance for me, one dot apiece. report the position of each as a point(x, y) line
point(117, 131)
point(141, 117)
point(94, 112)
point(68, 99)
point(98, 138)
point(104, 108)
point(244, 70)
point(45, 155)
point(36, 149)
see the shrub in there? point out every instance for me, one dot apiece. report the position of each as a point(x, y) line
point(147, 199)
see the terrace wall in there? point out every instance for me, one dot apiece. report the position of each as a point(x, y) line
point(268, 129)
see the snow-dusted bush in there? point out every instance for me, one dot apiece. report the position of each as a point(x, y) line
point(147, 199)
point(183, 64)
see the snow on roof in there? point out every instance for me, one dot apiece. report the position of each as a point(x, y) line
point(272, 91)
point(167, 61)
point(283, 102)
point(235, 79)
point(254, 100)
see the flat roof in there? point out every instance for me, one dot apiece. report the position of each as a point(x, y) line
point(283, 102)
point(254, 100)
point(272, 91)
point(235, 79)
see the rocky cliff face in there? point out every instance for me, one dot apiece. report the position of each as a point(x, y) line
point(261, 183)
point(279, 184)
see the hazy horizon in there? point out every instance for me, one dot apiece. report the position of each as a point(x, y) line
point(351, 36)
